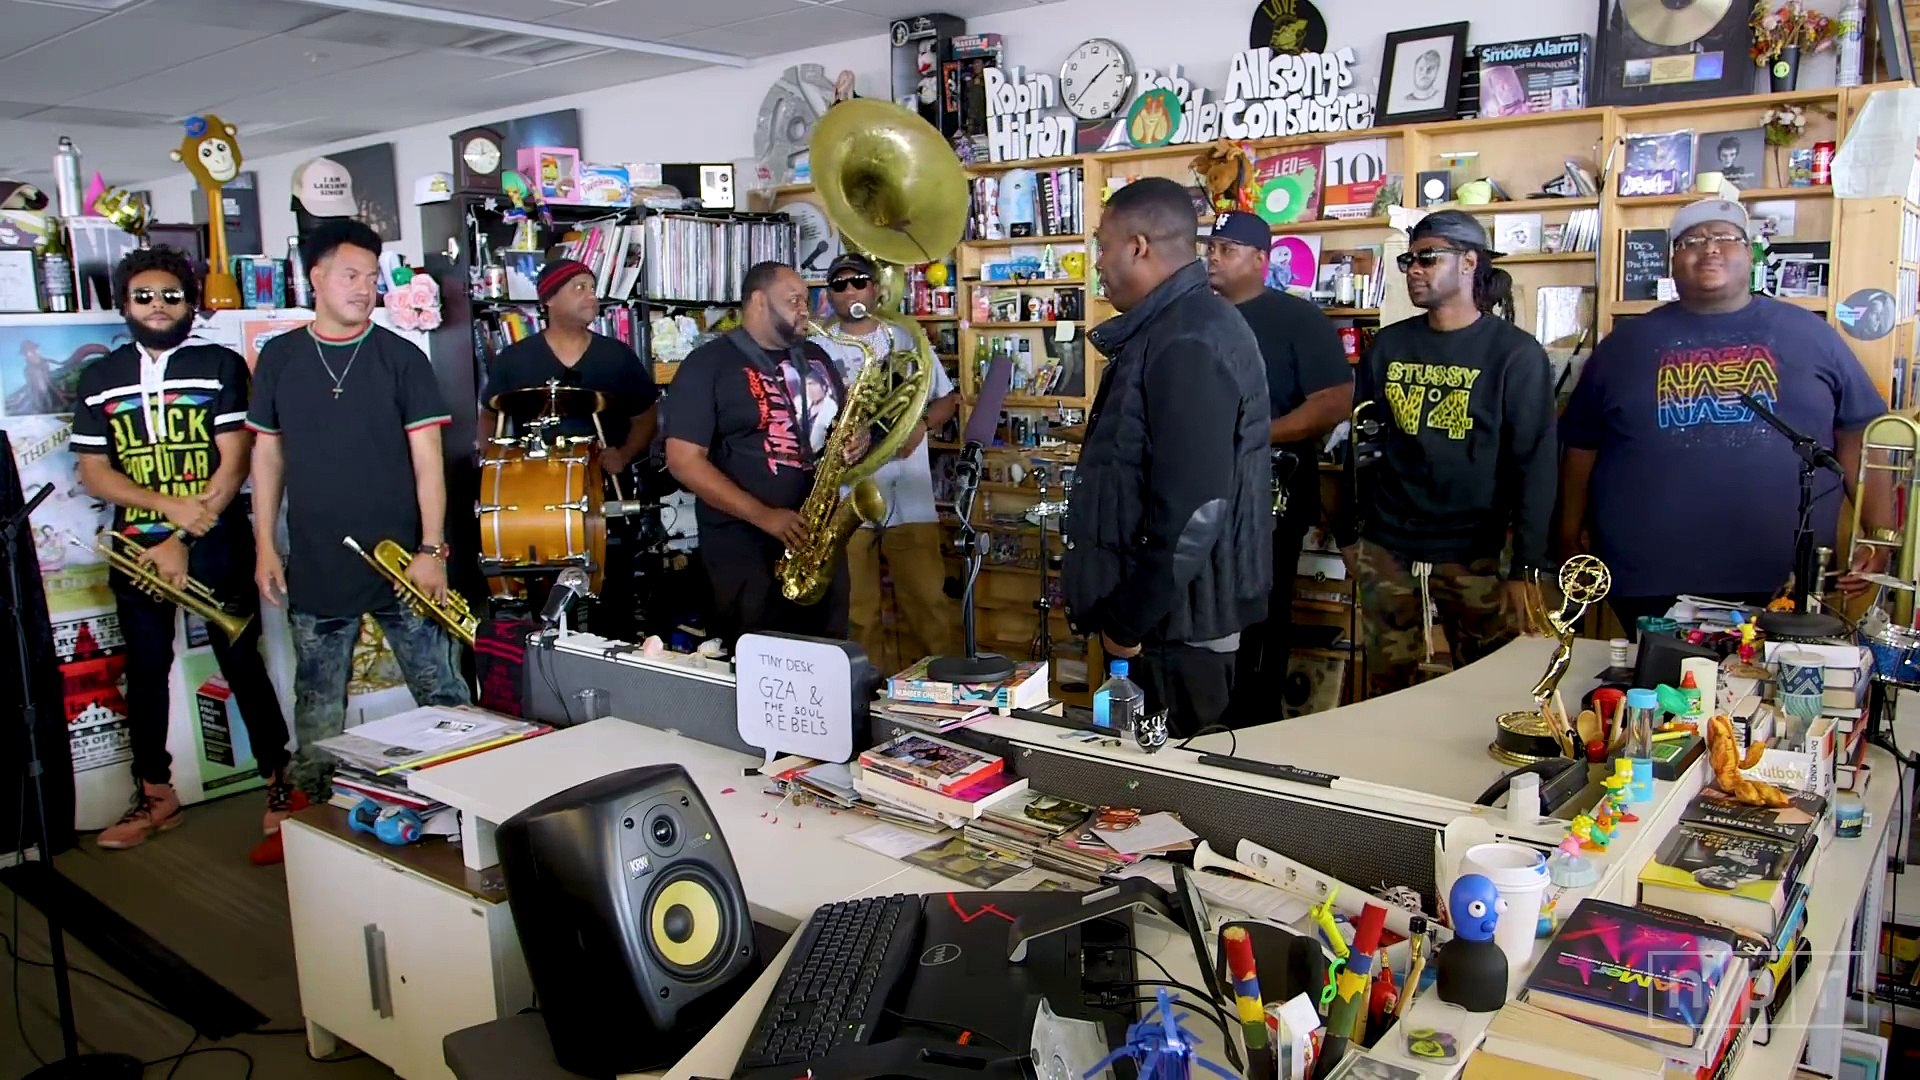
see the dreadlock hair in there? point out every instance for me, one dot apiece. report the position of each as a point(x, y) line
point(161, 258)
point(1492, 287)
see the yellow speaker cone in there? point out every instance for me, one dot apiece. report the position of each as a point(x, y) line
point(685, 922)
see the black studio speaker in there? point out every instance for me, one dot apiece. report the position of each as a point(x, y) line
point(631, 916)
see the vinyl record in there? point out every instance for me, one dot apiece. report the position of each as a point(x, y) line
point(817, 241)
point(1673, 22)
point(1287, 26)
point(793, 105)
point(1154, 119)
point(1285, 198)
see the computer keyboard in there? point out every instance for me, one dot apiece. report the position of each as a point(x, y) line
point(851, 957)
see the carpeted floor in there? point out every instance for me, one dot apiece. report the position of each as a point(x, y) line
point(194, 890)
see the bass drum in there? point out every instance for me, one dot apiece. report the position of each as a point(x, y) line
point(540, 512)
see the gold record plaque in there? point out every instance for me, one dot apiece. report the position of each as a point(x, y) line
point(1671, 50)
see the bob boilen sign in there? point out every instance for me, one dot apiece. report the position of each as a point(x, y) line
point(1268, 95)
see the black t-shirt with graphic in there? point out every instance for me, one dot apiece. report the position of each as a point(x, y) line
point(1302, 350)
point(762, 420)
point(158, 426)
point(607, 366)
point(348, 463)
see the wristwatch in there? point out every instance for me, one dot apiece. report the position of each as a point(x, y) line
point(442, 552)
point(186, 538)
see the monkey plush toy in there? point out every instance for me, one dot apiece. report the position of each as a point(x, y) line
point(211, 152)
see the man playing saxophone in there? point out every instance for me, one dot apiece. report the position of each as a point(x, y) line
point(158, 431)
point(744, 434)
point(347, 417)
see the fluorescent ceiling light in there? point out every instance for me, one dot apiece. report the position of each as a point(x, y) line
point(539, 30)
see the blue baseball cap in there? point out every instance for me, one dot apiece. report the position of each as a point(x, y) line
point(1242, 227)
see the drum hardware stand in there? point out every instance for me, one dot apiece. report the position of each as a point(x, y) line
point(1043, 634)
point(72, 1063)
point(975, 666)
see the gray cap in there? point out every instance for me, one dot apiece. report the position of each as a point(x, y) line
point(1455, 225)
point(1709, 210)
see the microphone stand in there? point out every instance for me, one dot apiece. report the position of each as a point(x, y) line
point(1813, 458)
point(975, 666)
point(71, 1063)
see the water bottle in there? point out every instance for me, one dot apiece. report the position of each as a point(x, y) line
point(1641, 705)
point(66, 179)
point(302, 289)
point(1117, 704)
point(1850, 32)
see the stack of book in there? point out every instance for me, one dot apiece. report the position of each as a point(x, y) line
point(931, 776)
point(1670, 984)
point(1026, 688)
point(1021, 830)
point(375, 758)
point(928, 716)
point(613, 250)
point(1846, 679)
point(1738, 865)
point(1042, 203)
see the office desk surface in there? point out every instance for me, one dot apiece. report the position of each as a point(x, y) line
point(791, 859)
point(1432, 737)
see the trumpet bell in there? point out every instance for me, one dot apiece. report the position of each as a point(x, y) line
point(888, 181)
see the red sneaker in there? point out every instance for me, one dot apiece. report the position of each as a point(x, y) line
point(283, 799)
point(155, 809)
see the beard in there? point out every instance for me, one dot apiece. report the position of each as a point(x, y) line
point(161, 339)
point(791, 334)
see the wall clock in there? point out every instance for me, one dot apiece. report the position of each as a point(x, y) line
point(1095, 79)
point(476, 160)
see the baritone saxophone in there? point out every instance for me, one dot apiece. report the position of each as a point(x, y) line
point(390, 561)
point(888, 181)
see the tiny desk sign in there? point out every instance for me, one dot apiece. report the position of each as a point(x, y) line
point(795, 695)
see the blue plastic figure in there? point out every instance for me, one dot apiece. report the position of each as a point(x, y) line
point(1161, 1046)
point(1472, 971)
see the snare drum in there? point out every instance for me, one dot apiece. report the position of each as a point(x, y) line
point(1896, 655)
point(540, 509)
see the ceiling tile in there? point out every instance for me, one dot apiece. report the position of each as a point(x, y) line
point(256, 67)
point(645, 19)
point(115, 50)
point(120, 155)
point(521, 10)
point(964, 9)
point(68, 116)
point(786, 32)
point(360, 28)
point(262, 16)
point(13, 110)
point(30, 24)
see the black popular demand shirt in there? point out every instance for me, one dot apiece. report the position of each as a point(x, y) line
point(349, 468)
point(157, 422)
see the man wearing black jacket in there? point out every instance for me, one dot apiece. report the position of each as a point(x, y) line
point(1464, 401)
point(1170, 535)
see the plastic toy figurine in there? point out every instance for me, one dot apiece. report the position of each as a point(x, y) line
point(1569, 868)
point(1544, 928)
point(1161, 1046)
point(1582, 829)
point(1322, 915)
point(1616, 786)
point(1724, 754)
point(1471, 971)
point(1602, 829)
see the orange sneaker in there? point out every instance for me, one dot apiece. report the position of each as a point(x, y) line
point(155, 809)
point(282, 800)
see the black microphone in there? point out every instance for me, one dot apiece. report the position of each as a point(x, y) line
point(1809, 448)
point(985, 417)
point(568, 588)
point(11, 526)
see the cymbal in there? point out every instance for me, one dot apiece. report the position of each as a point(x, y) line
point(565, 402)
point(1673, 22)
point(1046, 510)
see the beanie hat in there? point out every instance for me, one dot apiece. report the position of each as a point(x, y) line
point(558, 273)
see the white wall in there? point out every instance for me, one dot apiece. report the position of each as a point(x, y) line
point(708, 115)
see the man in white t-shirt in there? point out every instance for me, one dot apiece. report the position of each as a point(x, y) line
point(911, 539)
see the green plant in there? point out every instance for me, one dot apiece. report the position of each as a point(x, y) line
point(1790, 25)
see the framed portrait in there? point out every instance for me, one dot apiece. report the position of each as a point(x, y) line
point(1420, 75)
point(1740, 156)
point(375, 187)
point(1652, 51)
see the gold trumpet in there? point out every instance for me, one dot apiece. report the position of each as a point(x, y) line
point(390, 561)
point(124, 555)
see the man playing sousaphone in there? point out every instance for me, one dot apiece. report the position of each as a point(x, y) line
point(569, 353)
point(347, 420)
point(158, 429)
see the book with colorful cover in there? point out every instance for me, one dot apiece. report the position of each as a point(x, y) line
point(1634, 970)
point(1026, 688)
point(934, 764)
point(1795, 822)
point(1741, 879)
point(1286, 185)
point(1355, 171)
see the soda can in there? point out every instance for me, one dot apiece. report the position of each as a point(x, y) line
point(1350, 343)
point(494, 282)
point(1823, 163)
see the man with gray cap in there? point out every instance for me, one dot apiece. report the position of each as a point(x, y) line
point(1310, 390)
point(1656, 432)
point(1463, 401)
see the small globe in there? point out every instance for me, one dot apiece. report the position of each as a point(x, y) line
point(1585, 579)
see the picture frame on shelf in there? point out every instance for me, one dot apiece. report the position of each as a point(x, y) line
point(1896, 49)
point(1420, 75)
point(1653, 53)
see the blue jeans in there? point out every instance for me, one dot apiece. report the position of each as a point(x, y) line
point(323, 651)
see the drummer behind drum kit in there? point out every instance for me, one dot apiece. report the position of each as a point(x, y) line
point(542, 505)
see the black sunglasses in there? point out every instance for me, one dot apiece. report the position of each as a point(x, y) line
point(851, 281)
point(169, 297)
point(1427, 259)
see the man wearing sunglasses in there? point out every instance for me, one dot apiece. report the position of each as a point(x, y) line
point(1464, 402)
point(159, 432)
point(910, 536)
point(1656, 432)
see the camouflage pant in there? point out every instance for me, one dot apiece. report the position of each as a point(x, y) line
point(1468, 596)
